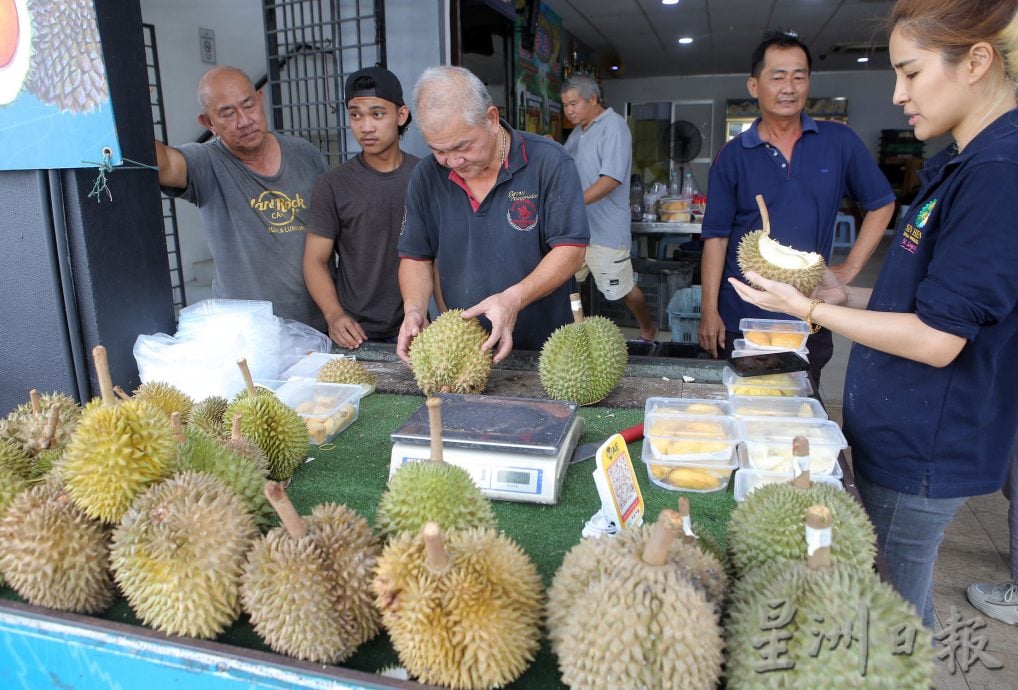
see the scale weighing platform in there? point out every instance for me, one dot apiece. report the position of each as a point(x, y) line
point(515, 449)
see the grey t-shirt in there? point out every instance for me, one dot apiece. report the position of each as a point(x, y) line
point(362, 210)
point(605, 148)
point(256, 224)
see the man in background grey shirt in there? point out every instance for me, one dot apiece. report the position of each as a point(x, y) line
point(253, 188)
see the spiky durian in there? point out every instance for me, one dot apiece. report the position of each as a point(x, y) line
point(821, 625)
point(768, 526)
point(178, 555)
point(591, 559)
point(277, 429)
point(207, 415)
point(583, 361)
point(199, 452)
point(758, 251)
point(431, 491)
point(15, 460)
point(31, 424)
point(306, 584)
point(246, 448)
point(461, 611)
point(167, 398)
point(346, 370)
point(118, 449)
point(54, 555)
point(672, 640)
point(447, 356)
point(67, 68)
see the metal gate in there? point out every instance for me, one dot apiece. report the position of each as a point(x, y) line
point(312, 46)
point(169, 206)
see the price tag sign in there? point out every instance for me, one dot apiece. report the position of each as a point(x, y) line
point(617, 485)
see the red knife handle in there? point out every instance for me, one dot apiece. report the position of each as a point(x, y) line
point(633, 433)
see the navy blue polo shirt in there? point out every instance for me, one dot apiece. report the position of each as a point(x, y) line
point(483, 247)
point(829, 162)
point(954, 263)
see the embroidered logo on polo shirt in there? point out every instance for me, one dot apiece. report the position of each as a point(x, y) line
point(522, 211)
point(912, 235)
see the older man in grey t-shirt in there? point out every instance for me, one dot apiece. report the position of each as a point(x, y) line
point(253, 188)
point(602, 147)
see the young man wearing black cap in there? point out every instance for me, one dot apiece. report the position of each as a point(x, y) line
point(356, 214)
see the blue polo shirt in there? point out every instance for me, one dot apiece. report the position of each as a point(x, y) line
point(829, 162)
point(954, 263)
point(483, 247)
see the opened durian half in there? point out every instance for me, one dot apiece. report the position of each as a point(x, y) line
point(760, 253)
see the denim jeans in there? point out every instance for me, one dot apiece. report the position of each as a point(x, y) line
point(910, 528)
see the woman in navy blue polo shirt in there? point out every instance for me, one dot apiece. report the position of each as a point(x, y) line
point(931, 392)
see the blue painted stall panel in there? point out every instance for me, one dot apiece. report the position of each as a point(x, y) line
point(39, 651)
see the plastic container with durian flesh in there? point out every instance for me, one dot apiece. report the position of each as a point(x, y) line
point(688, 406)
point(307, 366)
point(774, 334)
point(793, 385)
point(697, 477)
point(749, 480)
point(689, 438)
point(769, 443)
point(772, 406)
point(326, 408)
point(740, 348)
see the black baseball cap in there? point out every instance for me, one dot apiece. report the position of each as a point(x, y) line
point(386, 86)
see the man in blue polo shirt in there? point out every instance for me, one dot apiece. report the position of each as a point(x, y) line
point(499, 212)
point(802, 168)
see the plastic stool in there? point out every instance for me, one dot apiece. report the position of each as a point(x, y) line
point(667, 245)
point(844, 232)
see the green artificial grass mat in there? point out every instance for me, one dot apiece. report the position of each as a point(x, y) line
point(354, 471)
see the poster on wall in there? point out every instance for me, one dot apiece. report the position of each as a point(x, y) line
point(55, 109)
point(539, 74)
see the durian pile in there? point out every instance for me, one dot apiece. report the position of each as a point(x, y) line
point(583, 361)
point(759, 252)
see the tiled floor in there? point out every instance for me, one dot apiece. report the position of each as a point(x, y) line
point(975, 547)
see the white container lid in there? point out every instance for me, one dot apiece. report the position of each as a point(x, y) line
point(795, 384)
point(776, 406)
point(748, 480)
point(688, 406)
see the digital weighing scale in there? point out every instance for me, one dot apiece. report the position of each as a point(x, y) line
point(515, 449)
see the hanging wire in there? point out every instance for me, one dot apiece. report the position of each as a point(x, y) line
point(100, 185)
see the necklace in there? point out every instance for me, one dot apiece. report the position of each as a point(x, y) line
point(501, 156)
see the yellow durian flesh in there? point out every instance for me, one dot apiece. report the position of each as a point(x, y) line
point(760, 253)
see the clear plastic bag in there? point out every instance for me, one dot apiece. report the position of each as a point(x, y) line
point(201, 358)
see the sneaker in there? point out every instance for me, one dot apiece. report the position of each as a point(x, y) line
point(996, 601)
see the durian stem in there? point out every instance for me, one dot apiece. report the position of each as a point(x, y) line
point(763, 214)
point(819, 518)
point(683, 516)
point(102, 370)
point(661, 538)
point(246, 373)
point(121, 393)
point(577, 306)
point(36, 399)
point(235, 429)
point(434, 547)
point(294, 523)
point(800, 449)
point(178, 427)
point(51, 427)
point(434, 405)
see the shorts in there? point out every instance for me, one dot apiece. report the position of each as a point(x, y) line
point(612, 271)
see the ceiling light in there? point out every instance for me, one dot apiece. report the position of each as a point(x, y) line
point(614, 68)
point(685, 40)
point(862, 59)
point(669, 2)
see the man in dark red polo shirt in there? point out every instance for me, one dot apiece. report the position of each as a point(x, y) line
point(499, 211)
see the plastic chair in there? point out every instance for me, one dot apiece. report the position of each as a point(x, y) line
point(844, 232)
point(667, 245)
